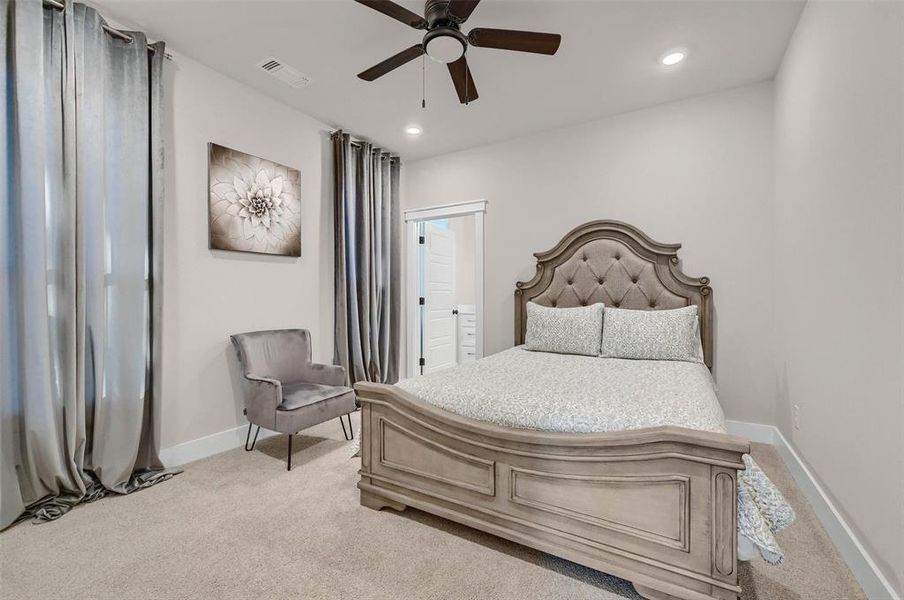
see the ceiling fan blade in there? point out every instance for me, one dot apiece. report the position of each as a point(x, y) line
point(464, 83)
point(393, 62)
point(521, 41)
point(460, 10)
point(399, 13)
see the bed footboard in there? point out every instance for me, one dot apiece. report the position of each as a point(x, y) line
point(655, 506)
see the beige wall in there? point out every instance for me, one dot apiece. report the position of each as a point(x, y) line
point(697, 172)
point(465, 243)
point(209, 295)
point(839, 248)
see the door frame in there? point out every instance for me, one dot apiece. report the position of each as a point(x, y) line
point(413, 216)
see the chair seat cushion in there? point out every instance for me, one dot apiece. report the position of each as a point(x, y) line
point(298, 395)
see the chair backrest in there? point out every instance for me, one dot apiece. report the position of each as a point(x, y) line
point(279, 354)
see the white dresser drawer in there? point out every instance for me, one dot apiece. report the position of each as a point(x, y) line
point(467, 336)
point(467, 320)
point(466, 355)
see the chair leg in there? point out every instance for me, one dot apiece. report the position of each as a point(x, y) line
point(289, 459)
point(350, 434)
point(248, 436)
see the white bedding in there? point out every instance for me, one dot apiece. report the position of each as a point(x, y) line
point(558, 392)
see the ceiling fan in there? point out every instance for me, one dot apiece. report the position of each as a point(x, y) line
point(445, 43)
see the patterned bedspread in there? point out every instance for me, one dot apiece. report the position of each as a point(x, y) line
point(557, 392)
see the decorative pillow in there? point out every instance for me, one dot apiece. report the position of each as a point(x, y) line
point(653, 334)
point(564, 330)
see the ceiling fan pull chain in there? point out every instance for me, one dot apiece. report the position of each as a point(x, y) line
point(424, 81)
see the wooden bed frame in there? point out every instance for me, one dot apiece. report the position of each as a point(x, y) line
point(655, 506)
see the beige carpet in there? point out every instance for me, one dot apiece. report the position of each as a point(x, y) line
point(237, 525)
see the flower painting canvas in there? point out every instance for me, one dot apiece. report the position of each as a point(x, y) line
point(254, 204)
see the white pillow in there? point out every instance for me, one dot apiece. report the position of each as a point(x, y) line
point(653, 334)
point(564, 330)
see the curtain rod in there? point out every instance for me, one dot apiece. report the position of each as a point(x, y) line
point(357, 142)
point(60, 5)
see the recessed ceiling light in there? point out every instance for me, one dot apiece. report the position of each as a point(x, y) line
point(413, 130)
point(673, 57)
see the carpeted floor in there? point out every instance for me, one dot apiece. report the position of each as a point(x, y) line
point(238, 525)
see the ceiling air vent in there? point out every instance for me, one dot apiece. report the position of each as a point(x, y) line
point(284, 73)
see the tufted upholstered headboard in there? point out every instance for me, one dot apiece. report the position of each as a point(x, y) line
point(617, 264)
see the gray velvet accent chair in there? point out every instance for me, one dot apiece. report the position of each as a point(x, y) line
point(284, 390)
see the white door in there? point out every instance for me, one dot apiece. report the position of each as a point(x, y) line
point(438, 332)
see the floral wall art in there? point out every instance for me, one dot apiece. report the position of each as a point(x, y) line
point(254, 204)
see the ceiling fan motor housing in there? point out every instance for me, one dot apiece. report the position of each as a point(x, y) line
point(436, 12)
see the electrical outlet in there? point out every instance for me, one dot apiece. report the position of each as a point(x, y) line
point(795, 416)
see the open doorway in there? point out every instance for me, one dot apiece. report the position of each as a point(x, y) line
point(445, 300)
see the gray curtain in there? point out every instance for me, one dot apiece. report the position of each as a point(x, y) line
point(81, 218)
point(368, 261)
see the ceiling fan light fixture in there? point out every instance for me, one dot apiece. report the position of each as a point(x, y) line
point(445, 45)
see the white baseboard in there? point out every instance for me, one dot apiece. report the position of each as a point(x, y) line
point(865, 570)
point(208, 445)
point(762, 434)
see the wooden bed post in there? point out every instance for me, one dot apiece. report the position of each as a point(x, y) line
point(369, 499)
point(725, 525)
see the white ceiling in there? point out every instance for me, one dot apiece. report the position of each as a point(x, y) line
point(607, 63)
